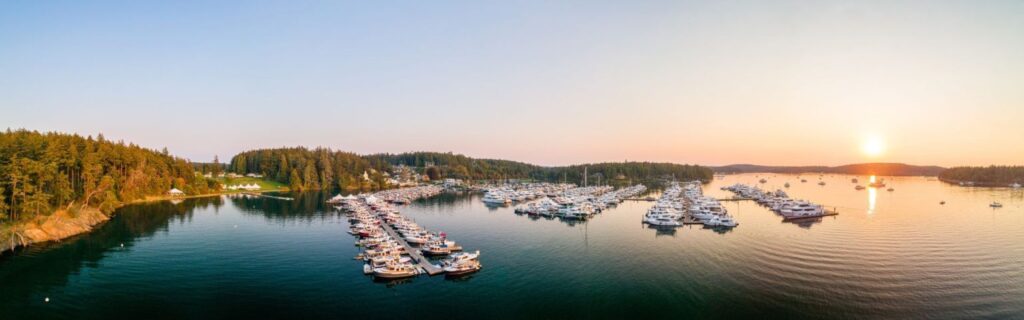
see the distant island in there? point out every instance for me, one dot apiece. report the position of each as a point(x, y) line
point(992, 176)
point(879, 169)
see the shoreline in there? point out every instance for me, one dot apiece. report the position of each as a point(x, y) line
point(959, 183)
point(61, 224)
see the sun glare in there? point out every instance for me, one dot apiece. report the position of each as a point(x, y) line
point(873, 146)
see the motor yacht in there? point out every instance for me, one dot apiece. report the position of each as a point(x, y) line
point(396, 271)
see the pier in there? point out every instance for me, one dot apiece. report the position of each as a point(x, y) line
point(267, 196)
point(415, 253)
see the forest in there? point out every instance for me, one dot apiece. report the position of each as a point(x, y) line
point(44, 172)
point(305, 169)
point(991, 175)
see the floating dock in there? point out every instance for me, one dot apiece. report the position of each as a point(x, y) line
point(415, 253)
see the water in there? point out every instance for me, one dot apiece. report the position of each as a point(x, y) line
point(888, 254)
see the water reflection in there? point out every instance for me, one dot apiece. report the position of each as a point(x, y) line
point(872, 199)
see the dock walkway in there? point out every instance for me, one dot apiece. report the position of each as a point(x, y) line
point(413, 252)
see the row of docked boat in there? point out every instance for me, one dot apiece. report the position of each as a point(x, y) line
point(578, 203)
point(520, 192)
point(399, 196)
point(779, 202)
point(393, 244)
point(677, 202)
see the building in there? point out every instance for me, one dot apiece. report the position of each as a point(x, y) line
point(174, 192)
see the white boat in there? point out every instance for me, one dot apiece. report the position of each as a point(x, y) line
point(396, 271)
point(721, 221)
point(496, 198)
point(1015, 185)
point(462, 268)
point(662, 220)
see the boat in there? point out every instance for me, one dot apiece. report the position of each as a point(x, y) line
point(496, 198)
point(396, 271)
point(859, 187)
point(877, 184)
point(786, 185)
point(662, 220)
point(995, 204)
point(821, 183)
point(721, 221)
point(763, 181)
point(462, 268)
point(803, 180)
point(1015, 185)
point(942, 202)
point(854, 180)
point(890, 189)
point(437, 249)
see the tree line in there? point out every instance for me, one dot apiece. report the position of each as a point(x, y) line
point(305, 169)
point(457, 166)
point(991, 175)
point(43, 172)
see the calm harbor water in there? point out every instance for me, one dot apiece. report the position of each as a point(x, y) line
point(888, 254)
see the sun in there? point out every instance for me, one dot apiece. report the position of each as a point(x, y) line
point(873, 146)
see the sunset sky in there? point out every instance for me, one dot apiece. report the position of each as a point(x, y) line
point(547, 82)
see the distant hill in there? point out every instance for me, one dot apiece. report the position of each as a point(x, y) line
point(882, 169)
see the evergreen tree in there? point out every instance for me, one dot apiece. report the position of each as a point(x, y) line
point(294, 181)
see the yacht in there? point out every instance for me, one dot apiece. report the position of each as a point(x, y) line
point(462, 268)
point(396, 271)
point(721, 221)
point(662, 220)
point(995, 204)
point(877, 184)
point(802, 209)
point(496, 198)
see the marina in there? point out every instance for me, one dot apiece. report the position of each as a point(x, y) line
point(300, 250)
point(395, 246)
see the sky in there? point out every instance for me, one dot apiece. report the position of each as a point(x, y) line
point(546, 82)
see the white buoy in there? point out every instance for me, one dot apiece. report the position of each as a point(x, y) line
point(47, 299)
point(122, 245)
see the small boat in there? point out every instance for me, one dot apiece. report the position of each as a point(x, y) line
point(1015, 185)
point(854, 180)
point(786, 185)
point(821, 183)
point(803, 180)
point(995, 204)
point(890, 189)
point(859, 187)
point(763, 181)
point(942, 202)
